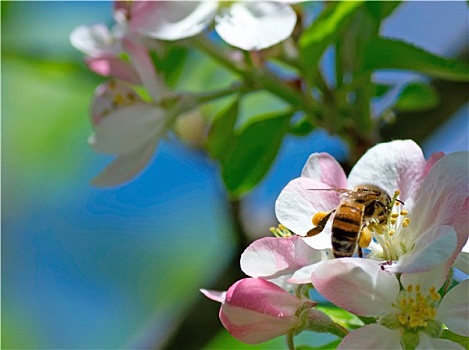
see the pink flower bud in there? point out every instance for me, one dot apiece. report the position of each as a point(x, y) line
point(255, 310)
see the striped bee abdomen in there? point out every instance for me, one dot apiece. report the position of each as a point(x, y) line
point(346, 227)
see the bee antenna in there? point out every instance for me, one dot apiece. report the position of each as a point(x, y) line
point(397, 200)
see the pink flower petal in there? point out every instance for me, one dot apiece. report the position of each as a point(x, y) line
point(324, 168)
point(396, 165)
point(113, 66)
point(299, 201)
point(271, 257)
point(373, 336)
point(256, 310)
point(436, 156)
point(432, 248)
point(454, 309)
point(125, 167)
point(172, 20)
point(357, 285)
point(145, 68)
point(442, 197)
point(255, 25)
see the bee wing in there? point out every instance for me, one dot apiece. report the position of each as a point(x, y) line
point(343, 192)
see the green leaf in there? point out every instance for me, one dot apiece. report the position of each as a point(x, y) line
point(254, 152)
point(381, 9)
point(323, 31)
point(302, 127)
point(383, 53)
point(221, 136)
point(417, 97)
point(381, 89)
point(460, 339)
point(340, 316)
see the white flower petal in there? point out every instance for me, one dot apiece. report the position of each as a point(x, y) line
point(255, 25)
point(324, 168)
point(357, 285)
point(427, 343)
point(125, 167)
point(94, 40)
point(299, 201)
point(454, 309)
point(214, 295)
point(396, 165)
point(373, 336)
point(271, 257)
point(172, 20)
point(127, 129)
point(432, 248)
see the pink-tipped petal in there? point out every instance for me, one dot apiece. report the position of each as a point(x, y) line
point(271, 257)
point(395, 165)
point(255, 25)
point(256, 310)
point(300, 200)
point(357, 285)
point(373, 336)
point(113, 66)
point(454, 309)
point(214, 295)
point(125, 167)
point(324, 168)
point(172, 20)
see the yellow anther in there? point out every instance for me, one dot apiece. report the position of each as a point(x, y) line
point(405, 222)
point(394, 215)
point(403, 302)
point(391, 232)
point(397, 203)
point(435, 296)
point(432, 290)
point(393, 221)
point(402, 319)
point(280, 226)
point(397, 192)
point(318, 217)
point(417, 288)
point(365, 238)
point(409, 288)
point(404, 212)
point(119, 100)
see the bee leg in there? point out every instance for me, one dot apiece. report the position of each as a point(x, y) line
point(360, 252)
point(320, 226)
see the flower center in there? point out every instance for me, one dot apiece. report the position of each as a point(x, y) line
point(416, 308)
point(389, 235)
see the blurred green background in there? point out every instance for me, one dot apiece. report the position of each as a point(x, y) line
point(103, 269)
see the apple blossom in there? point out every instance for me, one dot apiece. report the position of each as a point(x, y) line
point(411, 315)
point(249, 25)
point(255, 310)
point(430, 230)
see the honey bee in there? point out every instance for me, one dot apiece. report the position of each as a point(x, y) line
point(358, 208)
